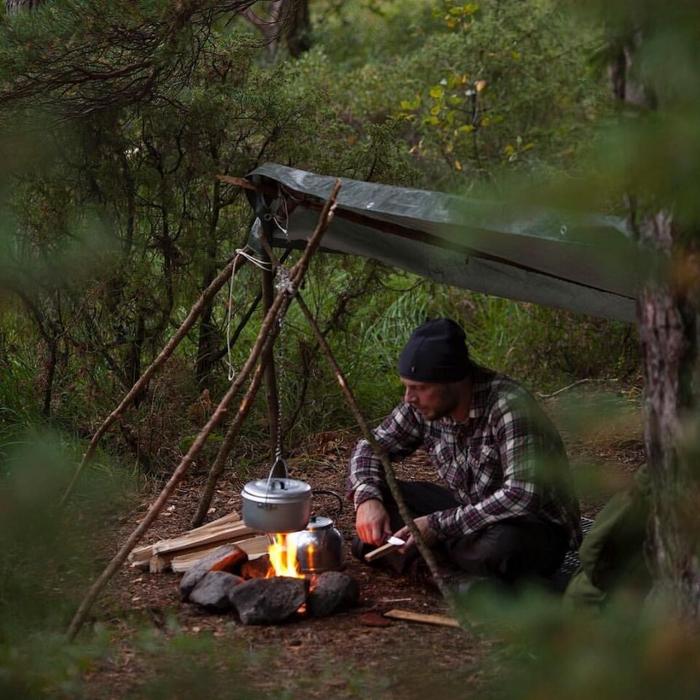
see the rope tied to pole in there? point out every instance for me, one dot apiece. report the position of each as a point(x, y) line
point(263, 265)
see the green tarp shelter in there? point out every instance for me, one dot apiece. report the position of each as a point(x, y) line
point(583, 263)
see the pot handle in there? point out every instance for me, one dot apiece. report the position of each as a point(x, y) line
point(279, 470)
point(328, 492)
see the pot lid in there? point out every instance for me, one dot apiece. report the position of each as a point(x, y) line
point(277, 490)
point(319, 522)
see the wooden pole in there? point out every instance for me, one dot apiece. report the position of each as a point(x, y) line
point(423, 548)
point(268, 294)
point(165, 353)
point(266, 337)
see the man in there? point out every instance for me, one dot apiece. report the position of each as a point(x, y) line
point(508, 511)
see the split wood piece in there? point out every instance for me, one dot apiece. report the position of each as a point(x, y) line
point(293, 283)
point(408, 616)
point(224, 532)
point(406, 516)
point(232, 532)
point(143, 554)
point(380, 552)
point(266, 336)
point(231, 517)
point(163, 356)
point(254, 547)
point(159, 563)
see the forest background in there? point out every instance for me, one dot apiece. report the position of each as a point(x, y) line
point(114, 119)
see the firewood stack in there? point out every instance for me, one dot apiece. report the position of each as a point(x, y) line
point(180, 553)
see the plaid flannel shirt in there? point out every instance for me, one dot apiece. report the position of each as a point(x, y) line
point(507, 460)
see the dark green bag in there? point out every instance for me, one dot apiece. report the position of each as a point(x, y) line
point(612, 553)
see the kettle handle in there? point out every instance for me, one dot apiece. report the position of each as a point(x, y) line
point(328, 492)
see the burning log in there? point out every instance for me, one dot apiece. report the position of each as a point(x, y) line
point(256, 568)
point(265, 601)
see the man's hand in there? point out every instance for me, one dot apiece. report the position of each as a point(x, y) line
point(372, 522)
point(429, 535)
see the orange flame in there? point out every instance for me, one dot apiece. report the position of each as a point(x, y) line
point(283, 556)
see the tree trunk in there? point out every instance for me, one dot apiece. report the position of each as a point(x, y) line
point(298, 27)
point(668, 329)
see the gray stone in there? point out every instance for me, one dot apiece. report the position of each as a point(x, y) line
point(214, 590)
point(334, 591)
point(265, 601)
point(222, 558)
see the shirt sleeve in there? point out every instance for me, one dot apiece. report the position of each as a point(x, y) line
point(518, 442)
point(399, 435)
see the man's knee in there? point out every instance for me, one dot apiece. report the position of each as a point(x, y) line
point(509, 551)
point(485, 553)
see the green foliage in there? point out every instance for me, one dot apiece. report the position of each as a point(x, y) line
point(480, 88)
point(44, 567)
point(118, 222)
point(184, 667)
point(545, 347)
point(121, 223)
point(652, 146)
point(619, 654)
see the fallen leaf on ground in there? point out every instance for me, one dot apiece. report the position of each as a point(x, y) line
point(374, 619)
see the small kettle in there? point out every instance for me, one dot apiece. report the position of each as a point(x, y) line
point(319, 546)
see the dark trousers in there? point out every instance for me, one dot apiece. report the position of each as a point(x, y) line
point(509, 550)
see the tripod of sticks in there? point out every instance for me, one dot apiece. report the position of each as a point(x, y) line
point(255, 368)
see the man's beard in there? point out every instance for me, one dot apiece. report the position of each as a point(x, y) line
point(448, 402)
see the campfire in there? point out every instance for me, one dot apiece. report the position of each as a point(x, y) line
point(282, 554)
point(264, 579)
point(269, 589)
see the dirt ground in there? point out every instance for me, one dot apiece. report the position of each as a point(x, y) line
point(343, 656)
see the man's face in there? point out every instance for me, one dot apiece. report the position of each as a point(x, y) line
point(433, 400)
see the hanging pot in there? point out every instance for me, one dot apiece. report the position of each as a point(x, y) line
point(276, 504)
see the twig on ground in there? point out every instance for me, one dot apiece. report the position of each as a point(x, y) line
point(571, 386)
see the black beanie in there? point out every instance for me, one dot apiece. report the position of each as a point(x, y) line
point(435, 352)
